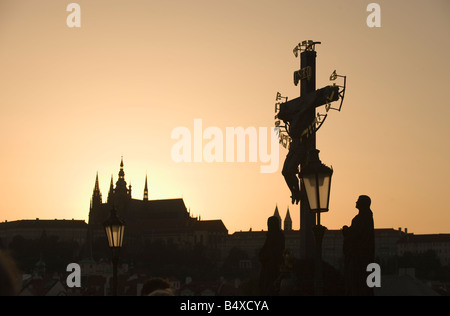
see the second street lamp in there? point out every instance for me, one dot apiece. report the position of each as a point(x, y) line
point(114, 228)
point(316, 178)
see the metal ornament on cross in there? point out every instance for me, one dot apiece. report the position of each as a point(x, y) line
point(305, 46)
point(324, 96)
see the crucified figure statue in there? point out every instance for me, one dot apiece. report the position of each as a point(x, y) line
point(297, 128)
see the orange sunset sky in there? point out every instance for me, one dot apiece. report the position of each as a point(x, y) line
point(74, 100)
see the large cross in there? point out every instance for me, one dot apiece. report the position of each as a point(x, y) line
point(301, 124)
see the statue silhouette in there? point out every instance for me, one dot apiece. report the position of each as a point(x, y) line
point(290, 168)
point(359, 249)
point(297, 128)
point(271, 257)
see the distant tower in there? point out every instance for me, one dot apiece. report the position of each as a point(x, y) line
point(277, 214)
point(288, 221)
point(122, 194)
point(145, 190)
point(121, 190)
point(111, 191)
point(96, 199)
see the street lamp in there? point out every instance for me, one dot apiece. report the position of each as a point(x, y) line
point(316, 179)
point(114, 228)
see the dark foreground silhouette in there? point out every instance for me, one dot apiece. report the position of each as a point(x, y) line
point(271, 257)
point(359, 249)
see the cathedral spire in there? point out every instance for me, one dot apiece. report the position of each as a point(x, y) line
point(121, 191)
point(111, 190)
point(121, 172)
point(288, 221)
point(129, 190)
point(96, 194)
point(277, 214)
point(96, 187)
point(146, 189)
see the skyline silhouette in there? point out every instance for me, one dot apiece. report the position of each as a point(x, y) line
point(76, 99)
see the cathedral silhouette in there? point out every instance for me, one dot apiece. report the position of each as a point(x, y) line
point(165, 220)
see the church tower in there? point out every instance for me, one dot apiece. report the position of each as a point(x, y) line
point(288, 222)
point(277, 214)
point(121, 190)
point(121, 184)
point(145, 190)
point(122, 194)
point(111, 191)
point(96, 199)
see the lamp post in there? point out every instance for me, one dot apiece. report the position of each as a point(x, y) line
point(316, 178)
point(114, 228)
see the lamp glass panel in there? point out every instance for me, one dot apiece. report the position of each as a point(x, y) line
point(120, 239)
point(115, 235)
point(109, 235)
point(311, 190)
point(324, 190)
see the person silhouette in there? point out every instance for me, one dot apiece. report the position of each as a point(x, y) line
point(156, 287)
point(10, 277)
point(271, 257)
point(359, 249)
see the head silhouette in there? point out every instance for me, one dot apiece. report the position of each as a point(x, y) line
point(363, 202)
point(9, 276)
point(273, 224)
point(155, 284)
